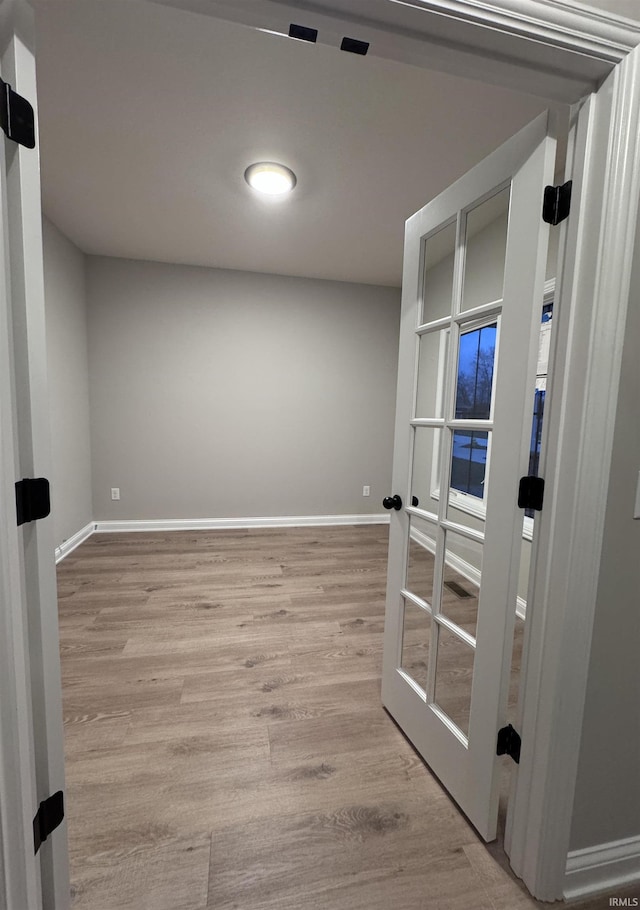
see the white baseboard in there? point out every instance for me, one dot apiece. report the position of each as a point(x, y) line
point(72, 542)
point(602, 868)
point(221, 524)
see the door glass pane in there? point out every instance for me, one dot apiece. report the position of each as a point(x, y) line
point(469, 478)
point(486, 247)
point(516, 666)
point(469, 462)
point(542, 372)
point(424, 476)
point(416, 637)
point(474, 380)
point(454, 676)
point(461, 581)
point(432, 355)
point(420, 561)
point(438, 274)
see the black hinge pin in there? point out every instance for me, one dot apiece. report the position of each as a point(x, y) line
point(531, 493)
point(557, 203)
point(33, 499)
point(17, 118)
point(509, 743)
point(49, 815)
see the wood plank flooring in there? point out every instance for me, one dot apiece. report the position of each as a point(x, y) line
point(226, 747)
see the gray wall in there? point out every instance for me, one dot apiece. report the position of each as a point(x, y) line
point(607, 798)
point(222, 394)
point(71, 496)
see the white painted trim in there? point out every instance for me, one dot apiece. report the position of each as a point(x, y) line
point(602, 868)
point(32, 415)
point(597, 257)
point(221, 524)
point(550, 48)
point(521, 608)
point(218, 524)
point(20, 884)
point(68, 545)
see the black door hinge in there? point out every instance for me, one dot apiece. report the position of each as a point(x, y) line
point(48, 817)
point(32, 499)
point(557, 203)
point(531, 493)
point(16, 117)
point(509, 743)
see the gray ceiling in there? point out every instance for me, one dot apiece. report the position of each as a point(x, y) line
point(149, 116)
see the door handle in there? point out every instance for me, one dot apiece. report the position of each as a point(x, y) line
point(392, 502)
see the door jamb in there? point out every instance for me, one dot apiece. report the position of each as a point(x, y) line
point(20, 883)
point(600, 241)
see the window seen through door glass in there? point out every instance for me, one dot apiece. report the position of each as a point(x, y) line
point(540, 394)
point(476, 358)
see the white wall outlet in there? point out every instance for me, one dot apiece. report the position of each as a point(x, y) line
point(115, 493)
point(366, 491)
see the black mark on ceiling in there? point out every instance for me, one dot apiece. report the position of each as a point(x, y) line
point(303, 33)
point(354, 47)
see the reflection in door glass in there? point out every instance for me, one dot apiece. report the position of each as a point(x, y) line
point(516, 665)
point(469, 462)
point(486, 249)
point(540, 393)
point(476, 356)
point(432, 355)
point(438, 273)
point(474, 387)
point(416, 637)
point(424, 477)
point(420, 562)
point(454, 676)
point(459, 593)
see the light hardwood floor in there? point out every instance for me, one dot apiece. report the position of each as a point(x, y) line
point(225, 742)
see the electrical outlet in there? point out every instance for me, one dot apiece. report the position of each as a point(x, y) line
point(366, 491)
point(115, 493)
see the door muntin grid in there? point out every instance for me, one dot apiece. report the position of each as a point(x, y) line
point(439, 409)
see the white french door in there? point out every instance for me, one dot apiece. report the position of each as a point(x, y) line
point(473, 287)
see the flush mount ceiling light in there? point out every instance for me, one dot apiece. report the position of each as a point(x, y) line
point(270, 178)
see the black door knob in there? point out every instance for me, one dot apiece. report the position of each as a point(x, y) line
point(392, 502)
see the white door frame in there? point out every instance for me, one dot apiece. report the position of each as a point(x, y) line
point(590, 331)
point(555, 49)
point(27, 563)
point(19, 873)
